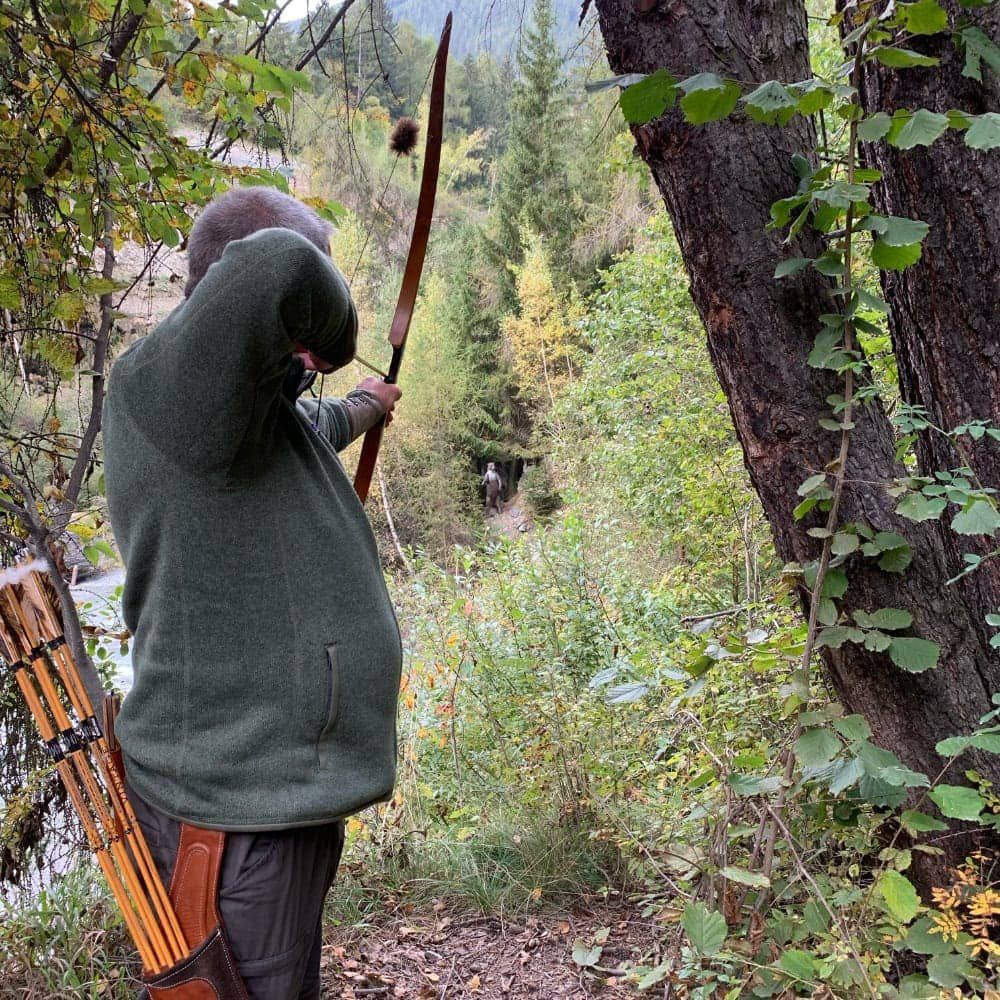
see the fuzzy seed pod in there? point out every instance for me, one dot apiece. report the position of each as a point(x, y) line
point(403, 138)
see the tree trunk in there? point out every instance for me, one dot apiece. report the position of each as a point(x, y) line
point(718, 182)
point(944, 309)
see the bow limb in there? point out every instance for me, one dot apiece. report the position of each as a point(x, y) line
point(415, 258)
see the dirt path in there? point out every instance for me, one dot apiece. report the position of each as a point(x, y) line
point(444, 954)
point(513, 521)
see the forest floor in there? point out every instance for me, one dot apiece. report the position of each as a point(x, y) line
point(439, 953)
point(514, 520)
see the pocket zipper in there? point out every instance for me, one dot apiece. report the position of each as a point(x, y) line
point(332, 689)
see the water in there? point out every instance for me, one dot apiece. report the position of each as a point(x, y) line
point(103, 608)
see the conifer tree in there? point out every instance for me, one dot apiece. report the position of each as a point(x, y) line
point(533, 190)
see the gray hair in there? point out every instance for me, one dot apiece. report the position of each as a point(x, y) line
point(240, 212)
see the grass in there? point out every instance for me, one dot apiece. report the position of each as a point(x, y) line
point(503, 869)
point(68, 944)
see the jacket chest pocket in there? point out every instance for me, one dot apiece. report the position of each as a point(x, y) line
point(332, 689)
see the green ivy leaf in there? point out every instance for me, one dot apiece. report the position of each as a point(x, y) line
point(915, 822)
point(898, 894)
point(10, 292)
point(979, 48)
point(706, 929)
point(923, 128)
point(741, 875)
point(979, 518)
point(791, 266)
point(949, 971)
point(708, 98)
point(894, 258)
point(890, 619)
point(984, 132)
point(958, 801)
point(914, 655)
point(816, 747)
point(874, 127)
point(926, 17)
point(917, 507)
point(897, 58)
point(798, 964)
point(770, 102)
point(649, 98)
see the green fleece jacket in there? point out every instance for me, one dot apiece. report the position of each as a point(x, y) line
point(266, 651)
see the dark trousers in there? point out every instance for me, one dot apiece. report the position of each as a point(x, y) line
point(271, 892)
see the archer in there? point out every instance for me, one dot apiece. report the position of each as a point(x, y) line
point(267, 654)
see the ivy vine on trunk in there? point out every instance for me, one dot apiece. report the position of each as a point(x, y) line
point(755, 159)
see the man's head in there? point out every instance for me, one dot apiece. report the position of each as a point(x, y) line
point(240, 212)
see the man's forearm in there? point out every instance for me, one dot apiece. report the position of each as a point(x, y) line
point(364, 410)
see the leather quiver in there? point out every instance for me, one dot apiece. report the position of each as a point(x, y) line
point(209, 972)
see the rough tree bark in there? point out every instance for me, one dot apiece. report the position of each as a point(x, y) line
point(718, 182)
point(945, 309)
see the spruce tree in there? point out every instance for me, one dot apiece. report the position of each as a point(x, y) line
point(533, 191)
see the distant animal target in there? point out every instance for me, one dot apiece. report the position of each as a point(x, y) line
point(494, 488)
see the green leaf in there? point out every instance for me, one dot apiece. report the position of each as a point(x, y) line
point(10, 292)
point(949, 971)
point(69, 307)
point(768, 101)
point(844, 543)
point(813, 95)
point(897, 230)
point(874, 127)
point(923, 128)
point(816, 747)
point(741, 875)
point(708, 98)
point(706, 929)
point(914, 655)
point(900, 898)
point(954, 745)
point(917, 507)
point(811, 483)
point(649, 98)
point(853, 727)
point(897, 58)
point(926, 17)
point(894, 258)
point(890, 619)
point(836, 635)
point(584, 955)
point(754, 784)
point(979, 47)
point(791, 266)
point(979, 518)
point(922, 940)
point(958, 801)
point(847, 775)
point(984, 132)
point(798, 964)
point(623, 80)
point(915, 822)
